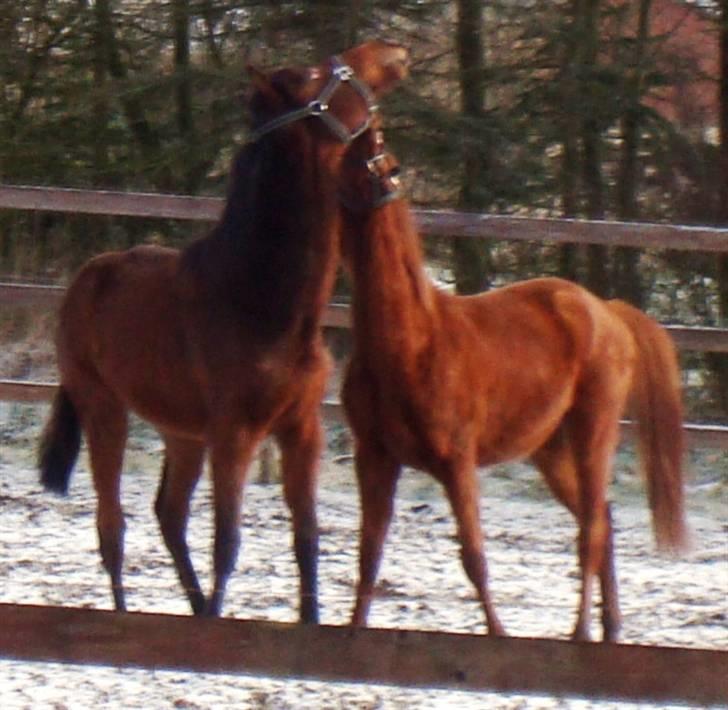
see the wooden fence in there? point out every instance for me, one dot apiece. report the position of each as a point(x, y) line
point(454, 224)
point(385, 656)
point(414, 658)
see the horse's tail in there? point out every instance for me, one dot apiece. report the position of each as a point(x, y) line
point(657, 407)
point(60, 444)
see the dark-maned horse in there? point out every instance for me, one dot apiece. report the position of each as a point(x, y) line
point(219, 345)
point(540, 369)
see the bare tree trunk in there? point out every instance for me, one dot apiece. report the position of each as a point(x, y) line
point(184, 112)
point(146, 137)
point(100, 98)
point(181, 28)
point(568, 253)
point(591, 145)
point(627, 281)
point(210, 14)
point(569, 169)
point(470, 256)
point(718, 362)
point(723, 127)
point(333, 25)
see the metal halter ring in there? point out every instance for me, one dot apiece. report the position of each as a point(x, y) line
point(319, 107)
point(385, 187)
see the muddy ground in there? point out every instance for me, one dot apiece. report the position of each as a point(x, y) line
point(48, 556)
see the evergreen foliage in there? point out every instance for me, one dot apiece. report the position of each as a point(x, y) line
point(548, 107)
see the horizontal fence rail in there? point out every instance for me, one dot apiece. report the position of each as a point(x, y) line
point(431, 222)
point(409, 658)
point(699, 435)
point(384, 656)
point(338, 315)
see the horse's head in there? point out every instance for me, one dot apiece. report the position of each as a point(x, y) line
point(340, 93)
point(369, 174)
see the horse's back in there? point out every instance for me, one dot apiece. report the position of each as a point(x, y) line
point(531, 320)
point(545, 310)
point(115, 294)
point(541, 344)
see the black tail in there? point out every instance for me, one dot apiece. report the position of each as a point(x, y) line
point(60, 444)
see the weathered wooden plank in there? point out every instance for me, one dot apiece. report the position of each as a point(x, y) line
point(386, 656)
point(22, 294)
point(338, 315)
point(699, 435)
point(432, 222)
point(106, 202)
point(24, 391)
point(642, 235)
point(699, 339)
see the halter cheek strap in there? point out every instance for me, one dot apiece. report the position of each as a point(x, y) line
point(319, 107)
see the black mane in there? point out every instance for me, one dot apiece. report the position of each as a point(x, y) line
point(265, 253)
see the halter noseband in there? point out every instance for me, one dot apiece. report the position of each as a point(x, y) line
point(319, 107)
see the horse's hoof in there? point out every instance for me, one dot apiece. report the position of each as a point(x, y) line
point(580, 635)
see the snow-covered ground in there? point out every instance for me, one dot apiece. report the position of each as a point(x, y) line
point(48, 556)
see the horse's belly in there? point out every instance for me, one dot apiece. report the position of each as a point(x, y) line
point(518, 431)
point(180, 411)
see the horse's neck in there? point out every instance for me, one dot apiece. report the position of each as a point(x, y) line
point(275, 251)
point(394, 300)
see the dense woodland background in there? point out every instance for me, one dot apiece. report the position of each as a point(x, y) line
point(604, 109)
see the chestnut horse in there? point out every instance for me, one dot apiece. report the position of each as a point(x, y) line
point(220, 345)
point(540, 369)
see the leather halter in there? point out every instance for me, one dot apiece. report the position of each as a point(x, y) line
point(385, 186)
point(319, 107)
point(384, 182)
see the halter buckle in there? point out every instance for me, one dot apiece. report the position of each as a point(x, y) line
point(343, 72)
point(317, 107)
point(374, 161)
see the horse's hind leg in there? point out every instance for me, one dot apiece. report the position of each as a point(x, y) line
point(377, 475)
point(584, 495)
point(463, 492)
point(300, 449)
point(104, 421)
point(181, 471)
point(611, 615)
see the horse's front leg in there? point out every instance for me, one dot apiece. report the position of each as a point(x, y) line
point(463, 492)
point(300, 445)
point(377, 475)
point(230, 459)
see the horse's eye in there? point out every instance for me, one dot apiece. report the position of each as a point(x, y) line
point(395, 171)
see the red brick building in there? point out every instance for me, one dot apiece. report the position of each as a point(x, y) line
point(684, 39)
